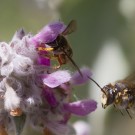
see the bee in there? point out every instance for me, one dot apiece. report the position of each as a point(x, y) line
point(62, 51)
point(120, 94)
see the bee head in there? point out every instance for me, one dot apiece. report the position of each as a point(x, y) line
point(108, 95)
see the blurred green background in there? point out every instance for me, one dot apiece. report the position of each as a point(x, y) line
point(98, 21)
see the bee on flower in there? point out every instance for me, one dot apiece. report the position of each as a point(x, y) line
point(33, 91)
point(51, 42)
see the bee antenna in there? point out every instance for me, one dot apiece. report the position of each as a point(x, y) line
point(97, 84)
point(73, 63)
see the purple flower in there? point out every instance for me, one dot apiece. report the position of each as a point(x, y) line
point(49, 96)
point(30, 85)
point(43, 61)
point(49, 33)
point(81, 108)
point(56, 78)
point(60, 129)
point(78, 80)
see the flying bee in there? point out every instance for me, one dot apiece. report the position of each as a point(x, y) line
point(120, 94)
point(61, 49)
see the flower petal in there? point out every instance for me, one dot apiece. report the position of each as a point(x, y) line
point(12, 100)
point(6, 70)
point(20, 33)
point(48, 33)
point(81, 108)
point(66, 117)
point(43, 61)
point(82, 128)
point(77, 79)
point(23, 65)
point(49, 96)
point(57, 78)
point(60, 129)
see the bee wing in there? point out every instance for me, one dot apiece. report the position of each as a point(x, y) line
point(72, 26)
point(131, 77)
point(72, 61)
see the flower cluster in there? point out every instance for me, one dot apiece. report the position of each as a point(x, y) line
point(32, 91)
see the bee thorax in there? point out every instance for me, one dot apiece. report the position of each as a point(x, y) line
point(124, 99)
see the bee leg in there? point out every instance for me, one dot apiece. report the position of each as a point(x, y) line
point(61, 59)
point(56, 57)
point(129, 114)
point(57, 67)
point(121, 113)
point(114, 106)
point(117, 109)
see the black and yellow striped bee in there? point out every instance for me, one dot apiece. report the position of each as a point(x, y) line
point(120, 94)
point(61, 48)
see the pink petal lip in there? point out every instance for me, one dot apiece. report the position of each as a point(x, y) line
point(78, 80)
point(57, 78)
point(81, 108)
point(49, 33)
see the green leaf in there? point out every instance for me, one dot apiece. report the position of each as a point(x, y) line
point(19, 123)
